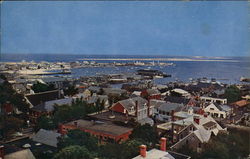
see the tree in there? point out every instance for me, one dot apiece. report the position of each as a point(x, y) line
point(45, 122)
point(145, 133)
point(215, 150)
point(62, 114)
point(125, 150)
point(8, 94)
point(110, 151)
point(78, 137)
point(74, 152)
point(41, 87)
point(131, 148)
point(10, 125)
point(232, 94)
point(99, 105)
point(65, 112)
point(70, 91)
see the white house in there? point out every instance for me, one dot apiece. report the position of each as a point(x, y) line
point(219, 111)
point(213, 100)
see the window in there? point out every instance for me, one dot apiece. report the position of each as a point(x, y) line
point(191, 128)
point(199, 145)
point(211, 108)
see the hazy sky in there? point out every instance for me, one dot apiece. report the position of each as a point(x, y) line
point(142, 28)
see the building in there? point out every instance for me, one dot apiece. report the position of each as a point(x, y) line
point(16, 154)
point(137, 107)
point(193, 130)
point(240, 105)
point(174, 99)
point(151, 94)
point(46, 137)
point(165, 110)
point(213, 100)
point(47, 108)
point(114, 91)
point(102, 99)
point(58, 82)
point(38, 98)
point(218, 111)
point(182, 92)
point(159, 154)
point(105, 132)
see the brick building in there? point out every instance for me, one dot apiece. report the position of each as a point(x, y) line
point(105, 132)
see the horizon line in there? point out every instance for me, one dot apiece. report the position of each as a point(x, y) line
point(122, 55)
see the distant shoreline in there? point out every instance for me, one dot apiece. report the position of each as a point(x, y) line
point(155, 59)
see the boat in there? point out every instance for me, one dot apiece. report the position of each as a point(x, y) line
point(244, 79)
point(152, 73)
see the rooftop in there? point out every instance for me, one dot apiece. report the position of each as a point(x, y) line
point(46, 137)
point(22, 154)
point(38, 98)
point(155, 154)
point(102, 127)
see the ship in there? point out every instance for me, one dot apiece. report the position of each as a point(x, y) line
point(152, 73)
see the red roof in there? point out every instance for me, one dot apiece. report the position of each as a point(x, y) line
point(241, 103)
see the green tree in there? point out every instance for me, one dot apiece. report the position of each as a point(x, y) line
point(41, 87)
point(215, 150)
point(65, 112)
point(70, 91)
point(62, 113)
point(78, 137)
point(125, 150)
point(110, 151)
point(7, 93)
point(232, 94)
point(45, 122)
point(74, 152)
point(11, 125)
point(131, 148)
point(145, 133)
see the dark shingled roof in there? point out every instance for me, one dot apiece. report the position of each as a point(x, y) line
point(102, 127)
point(131, 102)
point(168, 107)
point(38, 98)
point(153, 91)
point(209, 124)
point(218, 106)
point(179, 100)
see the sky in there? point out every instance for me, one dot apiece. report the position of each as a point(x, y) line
point(126, 28)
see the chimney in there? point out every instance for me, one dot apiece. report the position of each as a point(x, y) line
point(60, 129)
point(172, 115)
point(148, 107)
point(59, 93)
point(163, 143)
point(197, 119)
point(1, 152)
point(143, 151)
point(205, 115)
point(136, 108)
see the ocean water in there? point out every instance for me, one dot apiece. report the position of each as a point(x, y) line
point(227, 71)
